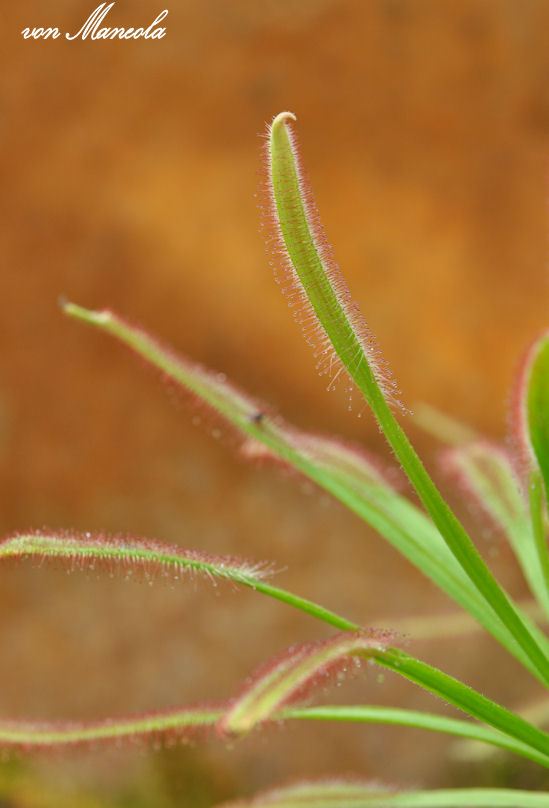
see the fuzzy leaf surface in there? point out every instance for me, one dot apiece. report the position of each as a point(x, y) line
point(318, 281)
point(486, 474)
point(293, 675)
point(151, 559)
point(347, 472)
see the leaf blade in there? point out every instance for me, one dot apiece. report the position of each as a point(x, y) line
point(401, 523)
point(288, 677)
point(337, 793)
point(336, 318)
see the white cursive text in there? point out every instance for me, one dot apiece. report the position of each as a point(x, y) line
point(92, 28)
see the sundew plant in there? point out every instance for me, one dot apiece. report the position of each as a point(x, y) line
point(510, 486)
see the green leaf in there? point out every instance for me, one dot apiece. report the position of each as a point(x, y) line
point(486, 474)
point(294, 674)
point(150, 560)
point(127, 556)
point(310, 275)
point(346, 472)
point(316, 282)
point(177, 724)
point(463, 697)
point(479, 737)
point(532, 409)
point(337, 793)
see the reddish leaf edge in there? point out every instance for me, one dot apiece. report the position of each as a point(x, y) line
point(255, 428)
point(328, 362)
point(294, 675)
point(182, 724)
point(519, 437)
point(159, 728)
point(453, 462)
point(128, 556)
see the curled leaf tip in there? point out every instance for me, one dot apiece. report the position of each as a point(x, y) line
point(310, 277)
point(281, 118)
point(101, 317)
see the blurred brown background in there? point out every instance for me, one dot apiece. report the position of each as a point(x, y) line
point(128, 178)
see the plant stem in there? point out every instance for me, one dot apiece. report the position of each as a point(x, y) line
point(304, 605)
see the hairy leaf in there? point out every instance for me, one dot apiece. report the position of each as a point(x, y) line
point(486, 474)
point(316, 281)
point(147, 558)
point(171, 725)
point(150, 559)
point(293, 675)
point(310, 276)
point(347, 472)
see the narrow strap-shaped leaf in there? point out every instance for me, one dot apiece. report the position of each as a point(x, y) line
point(293, 674)
point(487, 475)
point(463, 697)
point(310, 276)
point(443, 427)
point(127, 555)
point(347, 473)
point(151, 559)
point(188, 722)
point(288, 677)
point(305, 253)
point(536, 712)
point(350, 793)
point(481, 736)
point(531, 410)
point(530, 417)
point(535, 498)
point(174, 724)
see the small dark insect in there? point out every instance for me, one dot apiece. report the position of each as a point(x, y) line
point(257, 417)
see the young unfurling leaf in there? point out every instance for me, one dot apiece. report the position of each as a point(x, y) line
point(309, 274)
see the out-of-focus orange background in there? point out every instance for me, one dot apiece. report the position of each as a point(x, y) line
point(128, 178)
